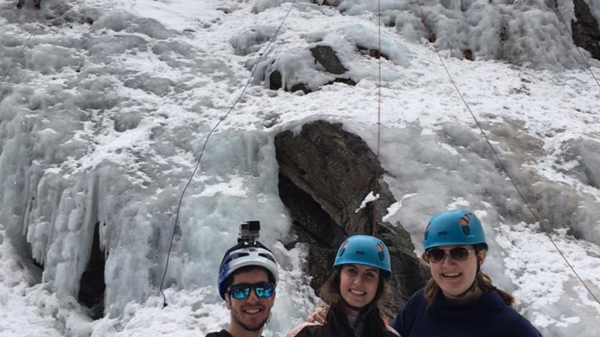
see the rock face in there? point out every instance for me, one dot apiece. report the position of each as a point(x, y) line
point(330, 63)
point(586, 31)
point(327, 57)
point(92, 286)
point(325, 174)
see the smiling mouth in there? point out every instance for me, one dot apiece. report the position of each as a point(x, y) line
point(252, 311)
point(357, 292)
point(451, 275)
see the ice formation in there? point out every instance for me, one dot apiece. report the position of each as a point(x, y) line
point(105, 112)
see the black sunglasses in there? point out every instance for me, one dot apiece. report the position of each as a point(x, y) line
point(242, 290)
point(458, 254)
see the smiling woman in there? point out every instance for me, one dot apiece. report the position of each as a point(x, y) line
point(459, 299)
point(361, 275)
point(358, 286)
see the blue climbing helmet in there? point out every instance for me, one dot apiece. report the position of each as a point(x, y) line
point(365, 250)
point(456, 227)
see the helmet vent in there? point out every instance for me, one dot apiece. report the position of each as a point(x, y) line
point(267, 256)
point(236, 256)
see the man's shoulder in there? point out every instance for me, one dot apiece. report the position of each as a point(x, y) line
point(222, 333)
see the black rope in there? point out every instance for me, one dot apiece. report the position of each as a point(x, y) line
point(585, 63)
point(12, 65)
point(206, 142)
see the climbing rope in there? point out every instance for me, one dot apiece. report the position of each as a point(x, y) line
point(377, 173)
point(585, 63)
point(12, 65)
point(206, 142)
point(503, 166)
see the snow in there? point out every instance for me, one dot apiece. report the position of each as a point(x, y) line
point(105, 112)
point(20, 315)
point(395, 207)
point(545, 283)
point(369, 198)
point(251, 40)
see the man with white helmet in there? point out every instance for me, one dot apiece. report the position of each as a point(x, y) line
point(247, 280)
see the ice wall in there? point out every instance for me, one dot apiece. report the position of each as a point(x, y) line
point(522, 32)
point(134, 202)
point(528, 32)
point(106, 140)
point(102, 123)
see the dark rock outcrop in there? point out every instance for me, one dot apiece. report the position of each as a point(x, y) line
point(347, 81)
point(92, 285)
point(325, 174)
point(327, 57)
point(300, 87)
point(468, 55)
point(276, 83)
point(374, 53)
point(586, 31)
point(275, 80)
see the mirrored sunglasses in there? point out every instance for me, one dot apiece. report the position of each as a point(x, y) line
point(242, 290)
point(458, 254)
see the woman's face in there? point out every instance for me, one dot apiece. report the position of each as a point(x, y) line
point(358, 284)
point(452, 276)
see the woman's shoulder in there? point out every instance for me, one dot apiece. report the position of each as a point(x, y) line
point(520, 324)
point(510, 319)
point(419, 293)
point(391, 331)
point(418, 298)
point(304, 330)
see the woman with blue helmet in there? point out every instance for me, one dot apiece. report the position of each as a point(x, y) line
point(459, 299)
point(359, 280)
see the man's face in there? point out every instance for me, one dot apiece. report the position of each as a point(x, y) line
point(252, 312)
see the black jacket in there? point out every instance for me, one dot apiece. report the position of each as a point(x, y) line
point(222, 333)
point(337, 326)
point(488, 316)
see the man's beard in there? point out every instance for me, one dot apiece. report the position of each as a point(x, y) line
point(238, 321)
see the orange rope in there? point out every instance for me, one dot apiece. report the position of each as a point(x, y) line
point(377, 173)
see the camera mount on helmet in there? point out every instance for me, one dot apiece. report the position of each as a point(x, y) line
point(249, 233)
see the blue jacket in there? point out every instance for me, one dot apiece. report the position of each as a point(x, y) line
point(489, 316)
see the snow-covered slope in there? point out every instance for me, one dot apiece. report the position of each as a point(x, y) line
point(106, 110)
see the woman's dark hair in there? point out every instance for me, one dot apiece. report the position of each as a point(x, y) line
point(483, 281)
point(374, 321)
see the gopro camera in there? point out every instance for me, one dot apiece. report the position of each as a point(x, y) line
point(249, 232)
